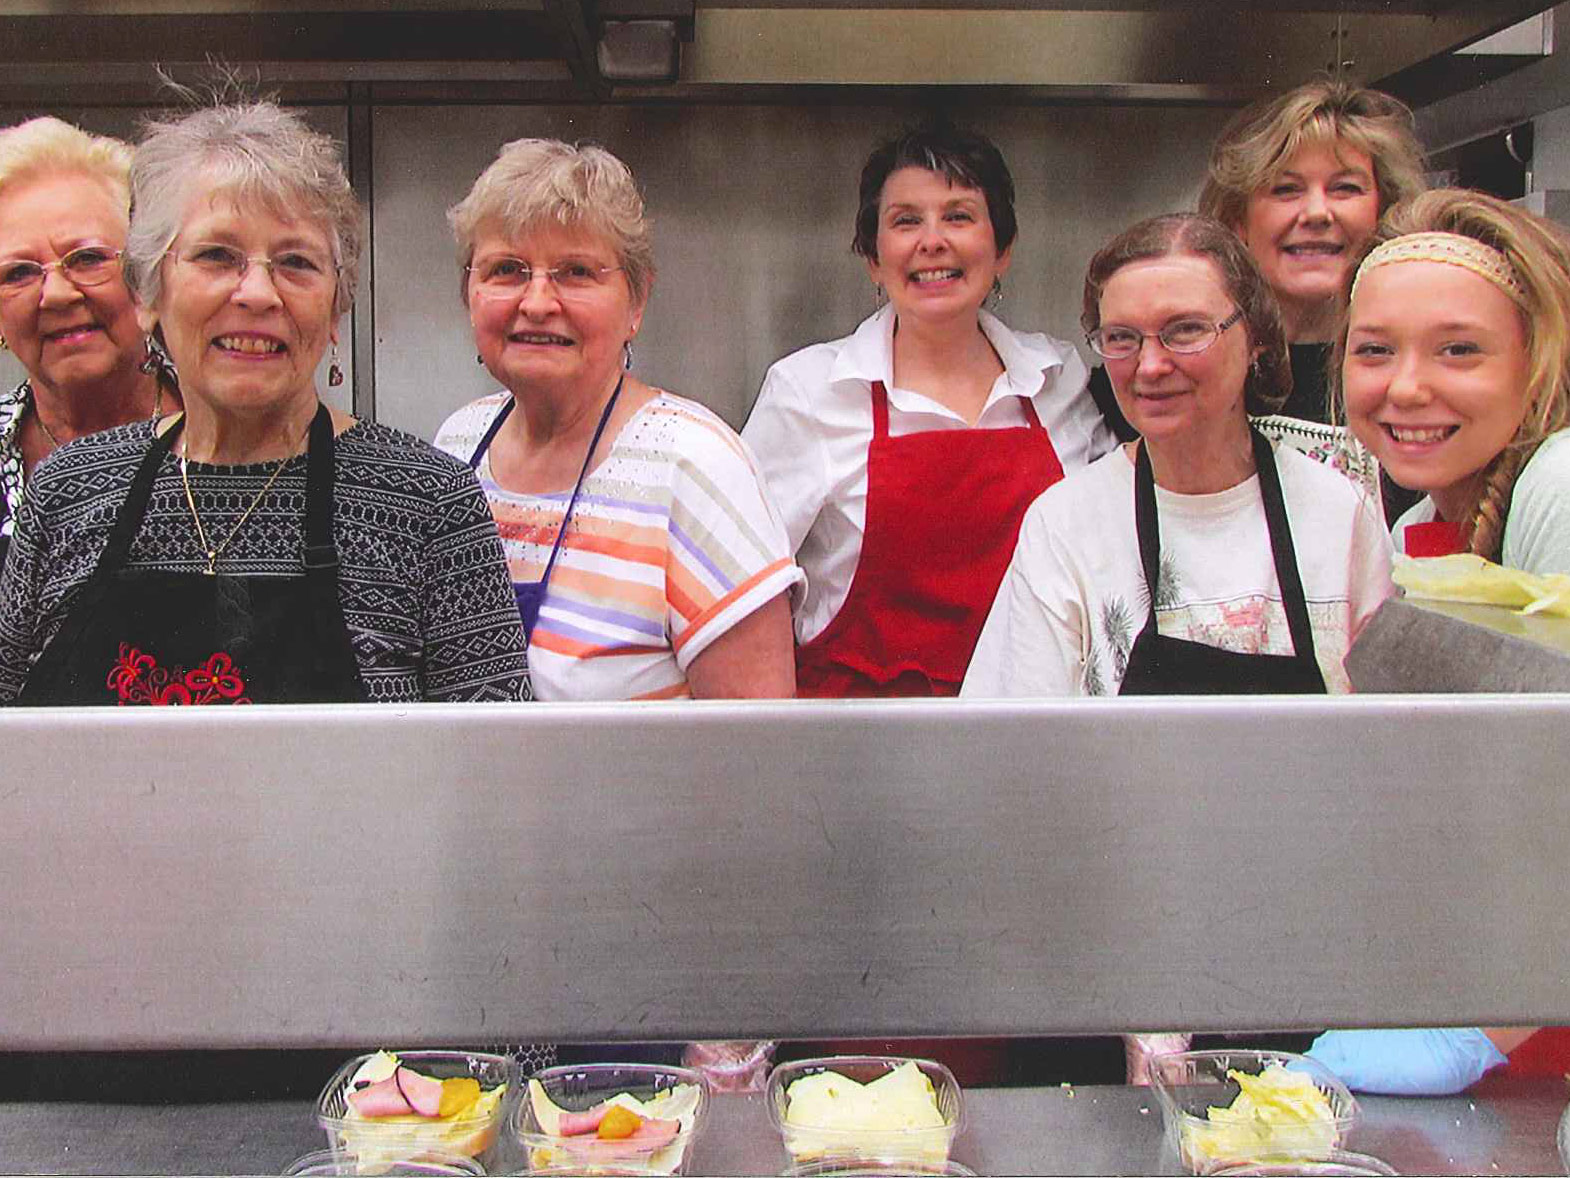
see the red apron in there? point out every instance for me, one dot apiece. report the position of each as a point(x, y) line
point(943, 513)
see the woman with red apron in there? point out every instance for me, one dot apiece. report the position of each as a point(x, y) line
point(903, 457)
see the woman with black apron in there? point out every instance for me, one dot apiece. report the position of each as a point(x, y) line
point(1200, 559)
point(259, 547)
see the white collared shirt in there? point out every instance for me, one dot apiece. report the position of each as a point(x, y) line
point(813, 420)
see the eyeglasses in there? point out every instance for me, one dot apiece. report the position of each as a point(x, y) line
point(1183, 336)
point(88, 265)
point(501, 277)
point(295, 270)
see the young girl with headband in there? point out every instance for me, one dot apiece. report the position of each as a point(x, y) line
point(1455, 372)
point(1454, 368)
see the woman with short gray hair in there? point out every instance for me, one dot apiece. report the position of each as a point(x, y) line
point(634, 520)
point(259, 547)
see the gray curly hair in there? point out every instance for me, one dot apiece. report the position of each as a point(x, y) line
point(254, 152)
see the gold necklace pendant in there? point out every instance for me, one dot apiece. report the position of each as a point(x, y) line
point(213, 552)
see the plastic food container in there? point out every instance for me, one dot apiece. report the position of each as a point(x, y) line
point(1339, 1164)
point(381, 1142)
point(327, 1164)
point(1187, 1083)
point(675, 1093)
point(809, 1144)
point(877, 1168)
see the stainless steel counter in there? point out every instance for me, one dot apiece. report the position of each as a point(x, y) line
point(1011, 1131)
point(311, 876)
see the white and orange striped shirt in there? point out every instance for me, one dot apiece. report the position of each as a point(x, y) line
point(673, 542)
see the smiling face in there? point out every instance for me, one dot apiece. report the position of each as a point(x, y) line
point(69, 338)
point(937, 255)
point(1173, 398)
point(539, 335)
point(1435, 375)
point(247, 347)
point(1305, 226)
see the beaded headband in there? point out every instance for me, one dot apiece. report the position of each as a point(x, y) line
point(1453, 249)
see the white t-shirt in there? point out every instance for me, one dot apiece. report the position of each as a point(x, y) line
point(1074, 599)
point(1537, 530)
point(671, 544)
point(813, 420)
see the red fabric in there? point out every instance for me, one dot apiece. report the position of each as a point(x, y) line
point(943, 513)
point(1546, 1053)
point(1437, 538)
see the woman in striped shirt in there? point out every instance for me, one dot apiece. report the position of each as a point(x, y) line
point(646, 560)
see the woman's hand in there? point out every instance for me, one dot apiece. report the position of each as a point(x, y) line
point(754, 659)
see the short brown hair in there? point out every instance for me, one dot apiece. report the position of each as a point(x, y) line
point(1269, 380)
point(1262, 139)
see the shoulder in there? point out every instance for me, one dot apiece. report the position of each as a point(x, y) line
point(90, 466)
point(368, 447)
point(1107, 484)
point(1311, 480)
point(1548, 470)
point(684, 432)
point(816, 369)
point(463, 429)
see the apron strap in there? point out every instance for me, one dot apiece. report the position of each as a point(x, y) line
point(880, 410)
point(1148, 528)
point(1283, 551)
point(572, 503)
point(491, 431)
point(321, 553)
point(129, 519)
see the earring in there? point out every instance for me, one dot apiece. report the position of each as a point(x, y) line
point(149, 364)
point(4, 347)
point(626, 355)
point(879, 296)
point(334, 370)
point(995, 295)
point(479, 359)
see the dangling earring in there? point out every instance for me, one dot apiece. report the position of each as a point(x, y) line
point(4, 347)
point(626, 355)
point(334, 370)
point(149, 364)
point(879, 295)
point(479, 359)
point(994, 298)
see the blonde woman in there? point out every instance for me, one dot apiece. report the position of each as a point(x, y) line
point(1455, 372)
point(1455, 368)
point(1302, 179)
point(65, 312)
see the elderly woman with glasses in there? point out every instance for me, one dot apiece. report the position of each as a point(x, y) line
point(65, 312)
point(646, 561)
point(258, 547)
point(1200, 559)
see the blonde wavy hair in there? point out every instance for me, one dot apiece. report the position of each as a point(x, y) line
point(1538, 251)
point(1263, 139)
point(48, 145)
point(533, 183)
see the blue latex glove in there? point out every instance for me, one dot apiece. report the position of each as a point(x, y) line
point(1416, 1062)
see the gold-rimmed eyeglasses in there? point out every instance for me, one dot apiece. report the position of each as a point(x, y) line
point(501, 277)
point(87, 265)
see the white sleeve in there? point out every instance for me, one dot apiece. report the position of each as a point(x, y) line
point(1537, 532)
point(783, 436)
point(1033, 640)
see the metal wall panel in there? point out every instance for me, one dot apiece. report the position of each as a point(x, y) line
point(752, 210)
point(460, 874)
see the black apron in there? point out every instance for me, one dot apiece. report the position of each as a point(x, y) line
point(1158, 665)
point(138, 636)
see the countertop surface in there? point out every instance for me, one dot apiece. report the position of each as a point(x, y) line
point(1085, 1130)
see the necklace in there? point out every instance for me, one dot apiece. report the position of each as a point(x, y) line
point(55, 443)
point(214, 552)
